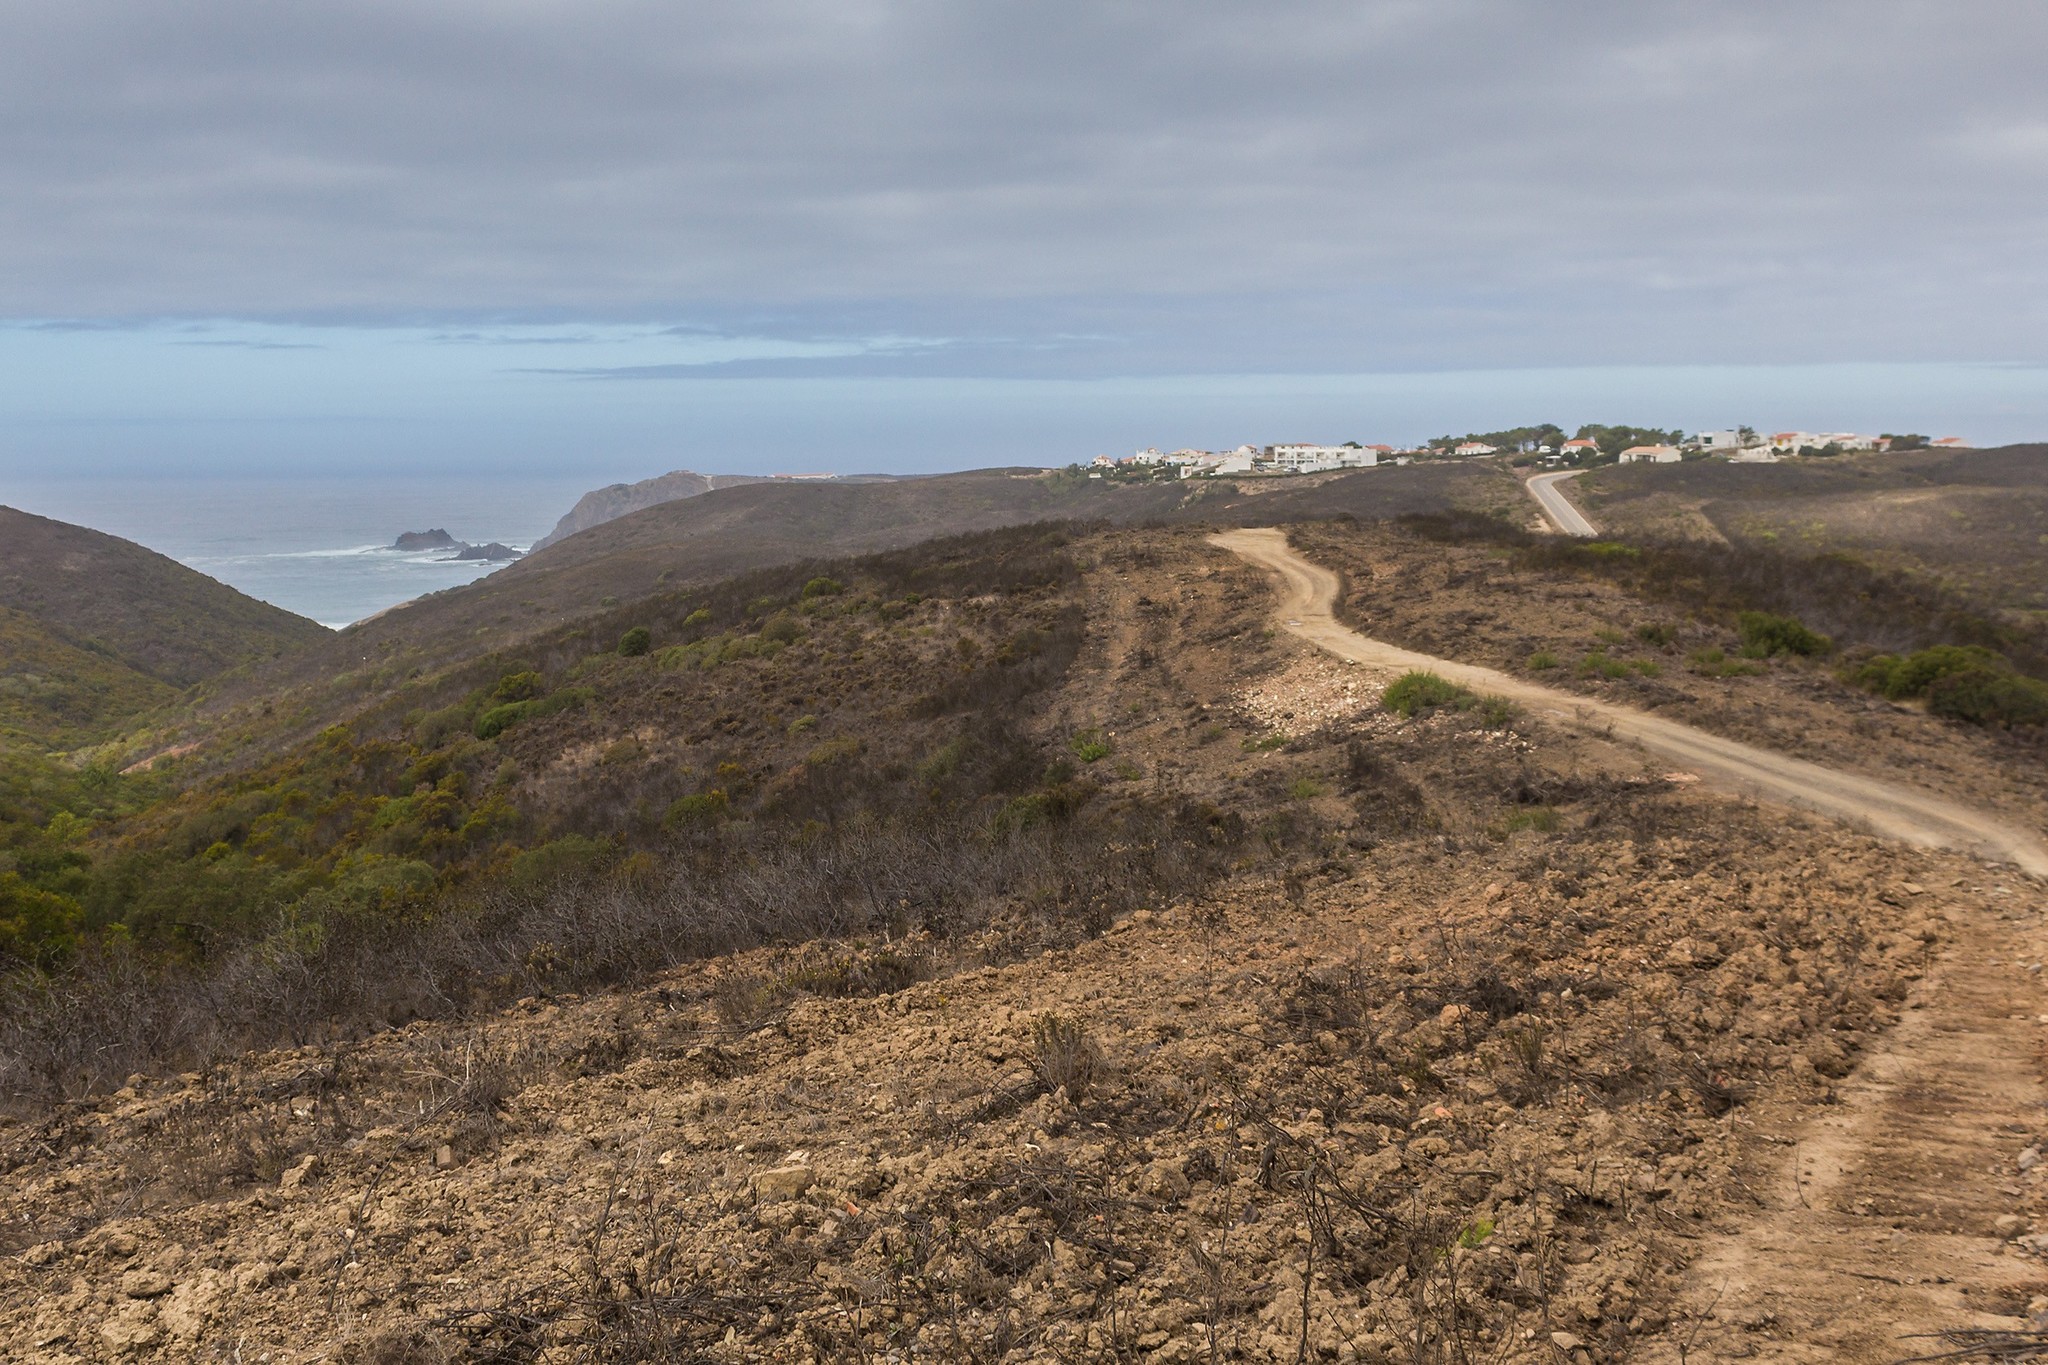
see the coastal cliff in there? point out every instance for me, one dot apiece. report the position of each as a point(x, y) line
point(609, 504)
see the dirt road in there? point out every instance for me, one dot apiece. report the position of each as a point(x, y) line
point(1567, 518)
point(1309, 594)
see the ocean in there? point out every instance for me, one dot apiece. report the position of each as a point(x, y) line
point(318, 547)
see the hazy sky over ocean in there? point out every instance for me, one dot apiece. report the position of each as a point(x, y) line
point(619, 237)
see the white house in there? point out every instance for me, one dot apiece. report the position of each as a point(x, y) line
point(1579, 446)
point(1308, 459)
point(1718, 440)
point(1795, 441)
point(1651, 455)
point(1476, 448)
point(1239, 461)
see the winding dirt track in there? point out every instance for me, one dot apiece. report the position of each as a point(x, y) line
point(1309, 594)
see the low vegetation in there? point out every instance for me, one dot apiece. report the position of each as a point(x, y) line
point(1420, 693)
point(1961, 682)
point(817, 755)
point(1906, 636)
point(1765, 635)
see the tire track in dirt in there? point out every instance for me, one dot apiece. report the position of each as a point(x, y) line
point(1883, 808)
point(1882, 1226)
point(1882, 1219)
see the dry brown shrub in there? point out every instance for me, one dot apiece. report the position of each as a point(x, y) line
point(1063, 1056)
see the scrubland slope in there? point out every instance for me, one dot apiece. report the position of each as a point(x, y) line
point(147, 611)
point(699, 541)
point(1014, 949)
point(1974, 520)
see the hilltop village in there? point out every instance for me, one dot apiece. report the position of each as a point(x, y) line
point(1546, 445)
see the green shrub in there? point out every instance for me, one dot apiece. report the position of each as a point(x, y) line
point(803, 723)
point(1497, 713)
point(699, 617)
point(1598, 665)
point(522, 686)
point(705, 808)
point(1542, 661)
point(1765, 635)
point(572, 857)
point(1413, 692)
point(36, 926)
point(433, 729)
point(1912, 676)
point(1959, 682)
point(1713, 662)
point(1989, 696)
point(499, 719)
point(1305, 789)
point(833, 751)
point(782, 629)
point(824, 587)
point(1657, 633)
point(1052, 804)
point(1090, 747)
point(635, 642)
point(1539, 818)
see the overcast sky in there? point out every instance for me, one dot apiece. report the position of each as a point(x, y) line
point(861, 235)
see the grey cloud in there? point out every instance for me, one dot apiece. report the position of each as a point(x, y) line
point(1219, 186)
point(256, 345)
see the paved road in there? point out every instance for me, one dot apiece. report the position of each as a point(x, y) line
point(1309, 592)
point(1565, 517)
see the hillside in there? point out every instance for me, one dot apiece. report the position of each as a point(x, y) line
point(56, 694)
point(149, 612)
point(601, 505)
point(1975, 520)
point(1017, 948)
point(681, 545)
point(733, 530)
